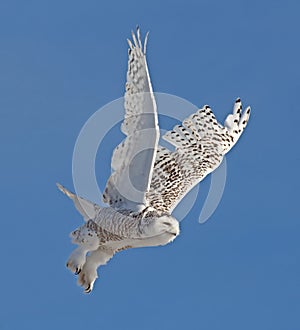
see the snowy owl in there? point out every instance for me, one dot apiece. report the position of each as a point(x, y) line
point(148, 181)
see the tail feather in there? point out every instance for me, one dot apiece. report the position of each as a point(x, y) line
point(86, 208)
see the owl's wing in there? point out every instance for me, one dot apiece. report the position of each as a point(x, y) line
point(201, 142)
point(133, 159)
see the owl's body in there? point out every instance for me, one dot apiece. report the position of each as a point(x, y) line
point(139, 212)
point(110, 231)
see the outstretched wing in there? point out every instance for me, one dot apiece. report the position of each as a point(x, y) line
point(133, 159)
point(201, 142)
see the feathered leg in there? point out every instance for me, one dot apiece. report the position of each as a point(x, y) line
point(88, 274)
point(87, 240)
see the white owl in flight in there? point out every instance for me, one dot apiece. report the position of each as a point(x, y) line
point(148, 180)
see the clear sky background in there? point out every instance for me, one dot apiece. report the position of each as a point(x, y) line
point(60, 61)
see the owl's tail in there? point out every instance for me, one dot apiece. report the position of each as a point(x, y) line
point(86, 208)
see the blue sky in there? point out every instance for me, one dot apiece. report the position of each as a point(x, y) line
point(60, 61)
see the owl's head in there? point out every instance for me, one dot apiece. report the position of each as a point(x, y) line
point(164, 224)
point(169, 223)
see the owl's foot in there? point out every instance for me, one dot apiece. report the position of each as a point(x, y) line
point(77, 260)
point(87, 278)
point(88, 274)
point(87, 240)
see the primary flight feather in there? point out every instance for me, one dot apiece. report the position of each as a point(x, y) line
point(148, 181)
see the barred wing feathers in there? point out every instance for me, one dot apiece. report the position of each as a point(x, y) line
point(201, 142)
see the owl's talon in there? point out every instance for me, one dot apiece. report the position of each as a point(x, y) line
point(88, 289)
point(78, 270)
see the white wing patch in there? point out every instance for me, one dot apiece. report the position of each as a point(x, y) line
point(133, 159)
